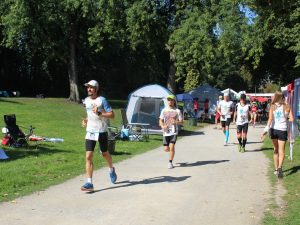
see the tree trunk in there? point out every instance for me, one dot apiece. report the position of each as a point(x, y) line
point(72, 69)
point(171, 83)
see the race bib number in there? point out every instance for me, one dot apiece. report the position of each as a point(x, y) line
point(92, 136)
point(243, 118)
point(171, 129)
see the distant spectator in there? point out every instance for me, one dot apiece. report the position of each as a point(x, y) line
point(196, 106)
point(206, 106)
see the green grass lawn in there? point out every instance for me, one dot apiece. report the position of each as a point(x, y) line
point(37, 167)
point(287, 213)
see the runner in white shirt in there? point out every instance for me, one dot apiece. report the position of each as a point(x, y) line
point(169, 119)
point(98, 114)
point(279, 115)
point(241, 115)
point(225, 109)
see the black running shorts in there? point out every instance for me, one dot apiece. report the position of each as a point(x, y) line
point(226, 123)
point(169, 139)
point(103, 143)
point(278, 134)
point(242, 128)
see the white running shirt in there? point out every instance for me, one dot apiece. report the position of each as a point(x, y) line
point(225, 108)
point(242, 113)
point(169, 116)
point(280, 118)
point(95, 123)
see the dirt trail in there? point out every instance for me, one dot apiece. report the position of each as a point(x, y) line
point(211, 184)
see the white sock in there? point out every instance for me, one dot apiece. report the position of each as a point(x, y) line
point(89, 180)
point(111, 169)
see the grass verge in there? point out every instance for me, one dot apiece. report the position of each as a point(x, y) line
point(285, 207)
point(40, 166)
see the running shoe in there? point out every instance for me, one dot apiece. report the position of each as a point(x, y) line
point(89, 187)
point(243, 149)
point(275, 172)
point(170, 165)
point(225, 143)
point(279, 173)
point(113, 175)
point(239, 148)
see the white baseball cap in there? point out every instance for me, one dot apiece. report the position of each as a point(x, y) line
point(226, 94)
point(92, 83)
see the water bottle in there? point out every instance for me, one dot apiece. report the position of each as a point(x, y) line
point(54, 140)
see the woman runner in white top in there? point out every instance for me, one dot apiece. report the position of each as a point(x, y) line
point(279, 115)
point(241, 115)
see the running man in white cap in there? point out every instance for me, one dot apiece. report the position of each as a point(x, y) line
point(98, 114)
point(225, 109)
point(169, 120)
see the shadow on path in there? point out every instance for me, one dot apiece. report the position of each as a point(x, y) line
point(201, 163)
point(260, 150)
point(190, 133)
point(153, 180)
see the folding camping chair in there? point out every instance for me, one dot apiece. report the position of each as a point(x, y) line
point(136, 131)
point(127, 129)
point(15, 136)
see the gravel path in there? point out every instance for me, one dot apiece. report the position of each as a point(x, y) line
point(211, 184)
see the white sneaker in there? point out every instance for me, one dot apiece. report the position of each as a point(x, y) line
point(225, 143)
point(170, 165)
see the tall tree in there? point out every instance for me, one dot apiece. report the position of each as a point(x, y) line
point(50, 29)
point(209, 45)
point(277, 30)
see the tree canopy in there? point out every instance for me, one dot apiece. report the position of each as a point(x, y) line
point(54, 46)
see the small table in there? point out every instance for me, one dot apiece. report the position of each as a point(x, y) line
point(144, 130)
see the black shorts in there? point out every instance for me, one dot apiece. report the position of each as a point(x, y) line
point(226, 123)
point(103, 143)
point(242, 128)
point(169, 139)
point(278, 134)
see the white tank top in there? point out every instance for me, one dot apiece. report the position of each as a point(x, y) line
point(280, 118)
point(242, 114)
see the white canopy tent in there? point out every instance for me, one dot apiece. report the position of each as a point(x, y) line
point(145, 105)
point(233, 94)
